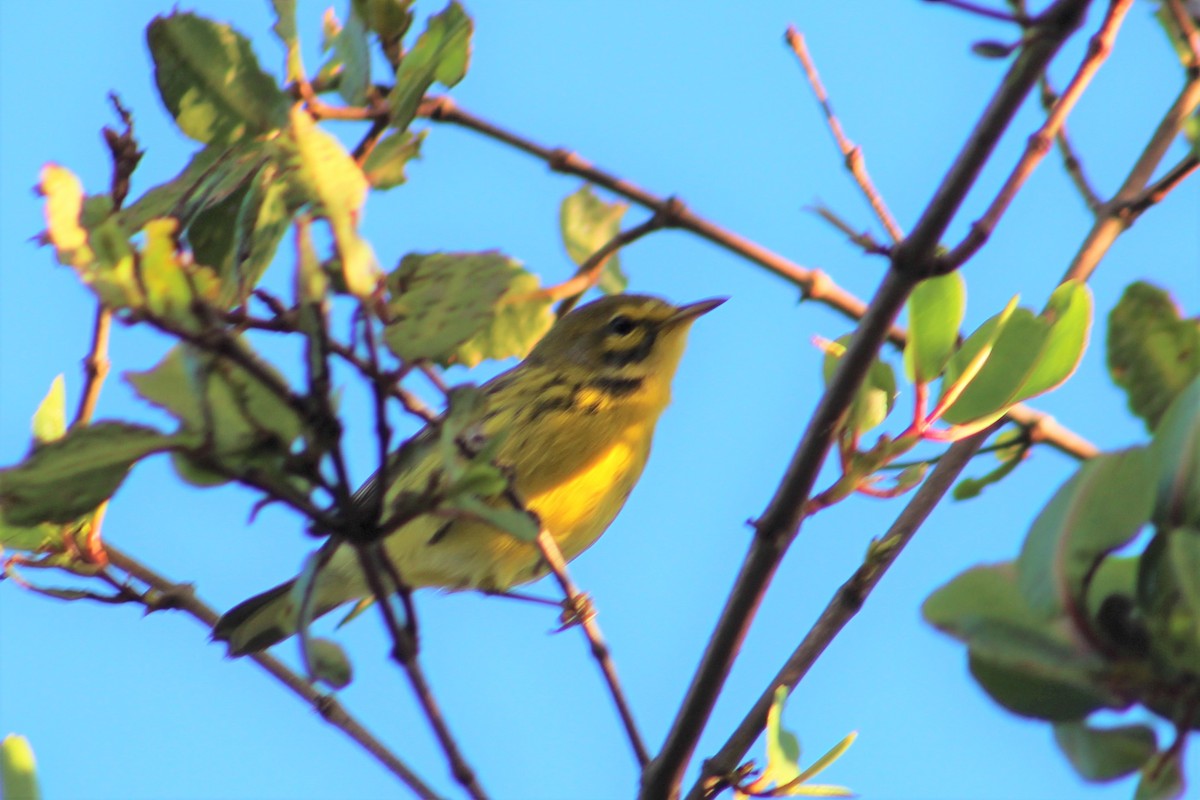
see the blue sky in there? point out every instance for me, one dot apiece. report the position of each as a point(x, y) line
point(704, 102)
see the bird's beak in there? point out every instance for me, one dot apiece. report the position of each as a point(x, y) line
point(692, 310)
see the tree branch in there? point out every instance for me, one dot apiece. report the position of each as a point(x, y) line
point(855, 162)
point(1115, 217)
point(844, 605)
point(587, 620)
point(913, 260)
point(1039, 143)
point(404, 653)
point(331, 710)
point(814, 284)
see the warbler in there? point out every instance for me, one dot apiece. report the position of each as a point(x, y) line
point(577, 416)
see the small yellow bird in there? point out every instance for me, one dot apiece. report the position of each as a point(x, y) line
point(577, 415)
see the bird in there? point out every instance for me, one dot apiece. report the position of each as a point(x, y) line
point(576, 417)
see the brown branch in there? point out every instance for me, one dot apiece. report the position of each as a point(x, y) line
point(913, 259)
point(587, 621)
point(855, 161)
point(814, 284)
point(331, 710)
point(1039, 143)
point(1155, 192)
point(979, 10)
point(862, 239)
point(95, 367)
point(592, 268)
point(404, 652)
point(1187, 30)
point(1072, 163)
point(844, 605)
point(1115, 217)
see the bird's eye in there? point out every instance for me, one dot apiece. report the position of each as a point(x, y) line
point(621, 325)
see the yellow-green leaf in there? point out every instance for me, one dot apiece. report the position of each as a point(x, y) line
point(336, 188)
point(587, 224)
point(50, 419)
point(64, 204)
point(18, 769)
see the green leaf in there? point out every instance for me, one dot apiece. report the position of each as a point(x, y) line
point(1162, 778)
point(1029, 355)
point(351, 50)
point(1068, 315)
point(311, 282)
point(18, 769)
point(819, 766)
point(1100, 509)
point(935, 313)
point(876, 396)
point(783, 748)
point(285, 29)
point(1175, 453)
point(64, 205)
point(587, 224)
point(336, 187)
point(1042, 688)
point(1152, 353)
point(440, 55)
point(386, 163)
point(213, 174)
point(1166, 600)
point(50, 419)
point(212, 235)
point(521, 318)
point(210, 80)
point(66, 478)
point(969, 359)
point(263, 218)
point(1105, 754)
point(29, 538)
point(231, 410)
point(390, 19)
point(1029, 664)
point(328, 663)
point(445, 307)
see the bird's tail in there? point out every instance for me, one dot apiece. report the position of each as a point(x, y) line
point(264, 620)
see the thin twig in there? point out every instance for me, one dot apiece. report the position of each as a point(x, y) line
point(862, 239)
point(841, 609)
point(404, 653)
point(587, 621)
point(1099, 46)
point(1072, 163)
point(592, 268)
point(779, 525)
point(979, 10)
point(814, 284)
point(1155, 192)
point(1115, 217)
point(183, 598)
point(855, 161)
point(1187, 30)
point(95, 366)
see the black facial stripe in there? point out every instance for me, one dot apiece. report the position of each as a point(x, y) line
point(634, 354)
